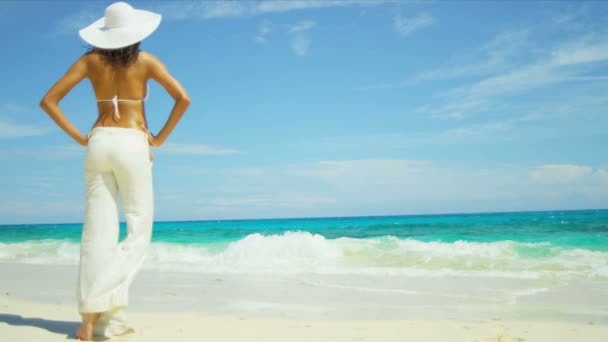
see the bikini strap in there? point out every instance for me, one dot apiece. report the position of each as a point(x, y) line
point(115, 101)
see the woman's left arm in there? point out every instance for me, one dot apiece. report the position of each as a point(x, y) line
point(50, 101)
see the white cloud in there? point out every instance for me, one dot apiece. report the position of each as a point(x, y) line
point(13, 108)
point(588, 78)
point(581, 52)
point(602, 174)
point(559, 173)
point(263, 31)
point(14, 130)
point(391, 186)
point(489, 129)
point(285, 6)
point(202, 10)
point(32, 212)
point(40, 182)
point(490, 57)
point(73, 23)
point(11, 129)
point(372, 186)
point(406, 26)
point(44, 152)
point(574, 17)
point(568, 61)
point(299, 40)
point(300, 45)
point(302, 26)
point(511, 63)
point(517, 80)
point(271, 201)
point(386, 168)
point(195, 149)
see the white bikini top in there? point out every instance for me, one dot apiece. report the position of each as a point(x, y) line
point(115, 101)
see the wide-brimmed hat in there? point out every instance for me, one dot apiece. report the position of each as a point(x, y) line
point(121, 26)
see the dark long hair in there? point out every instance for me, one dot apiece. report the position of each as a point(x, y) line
point(122, 57)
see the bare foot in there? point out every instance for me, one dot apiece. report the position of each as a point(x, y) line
point(85, 331)
point(127, 332)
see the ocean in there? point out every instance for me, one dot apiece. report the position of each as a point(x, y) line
point(548, 245)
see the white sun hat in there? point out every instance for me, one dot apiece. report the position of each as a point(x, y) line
point(121, 26)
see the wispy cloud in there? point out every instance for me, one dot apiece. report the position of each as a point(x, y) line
point(15, 130)
point(302, 26)
point(44, 152)
point(195, 149)
point(40, 181)
point(285, 6)
point(489, 130)
point(11, 116)
point(77, 21)
point(384, 186)
point(271, 201)
point(489, 58)
point(559, 173)
point(300, 45)
point(74, 151)
point(571, 60)
point(203, 10)
point(32, 212)
point(406, 26)
point(574, 17)
point(493, 56)
point(13, 108)
point(581, 51)
point(299, 39)
point(263, 31)
point(602, 174)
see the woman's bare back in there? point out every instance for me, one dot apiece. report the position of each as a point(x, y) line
point(126, 83)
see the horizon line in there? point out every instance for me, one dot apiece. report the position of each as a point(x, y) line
point(336, 217)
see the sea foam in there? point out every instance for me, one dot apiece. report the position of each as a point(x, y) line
point(304, 252)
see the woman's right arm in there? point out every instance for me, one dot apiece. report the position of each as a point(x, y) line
point(160, 74)
point(50, 101)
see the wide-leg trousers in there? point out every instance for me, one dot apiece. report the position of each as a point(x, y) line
point(117, 162)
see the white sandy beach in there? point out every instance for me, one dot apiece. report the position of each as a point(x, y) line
point(37, 304)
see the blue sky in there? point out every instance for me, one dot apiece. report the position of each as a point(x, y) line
point(329, 108)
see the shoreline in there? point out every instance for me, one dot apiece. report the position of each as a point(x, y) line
point(38, 304)
point(28, 321)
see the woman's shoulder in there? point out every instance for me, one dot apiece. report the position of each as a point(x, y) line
point(90, 58)
point(91, 54)
point(148, 58)
point(96, 56)
point(86, 61)
point(151, 63)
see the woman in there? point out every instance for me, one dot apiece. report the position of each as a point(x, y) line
point(118, 159)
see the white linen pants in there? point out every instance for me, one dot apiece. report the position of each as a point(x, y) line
point(117, 162)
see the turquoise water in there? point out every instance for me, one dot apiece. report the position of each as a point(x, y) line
point(582, 229)
point(525, 244)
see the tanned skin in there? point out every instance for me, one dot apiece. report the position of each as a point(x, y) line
point(128, 83)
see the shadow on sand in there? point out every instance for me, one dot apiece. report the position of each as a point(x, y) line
point(59, 327)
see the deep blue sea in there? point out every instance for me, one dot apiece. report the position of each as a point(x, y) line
point(560, 244)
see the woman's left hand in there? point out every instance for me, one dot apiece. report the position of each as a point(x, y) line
point(83, 141)
point(152, 140)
